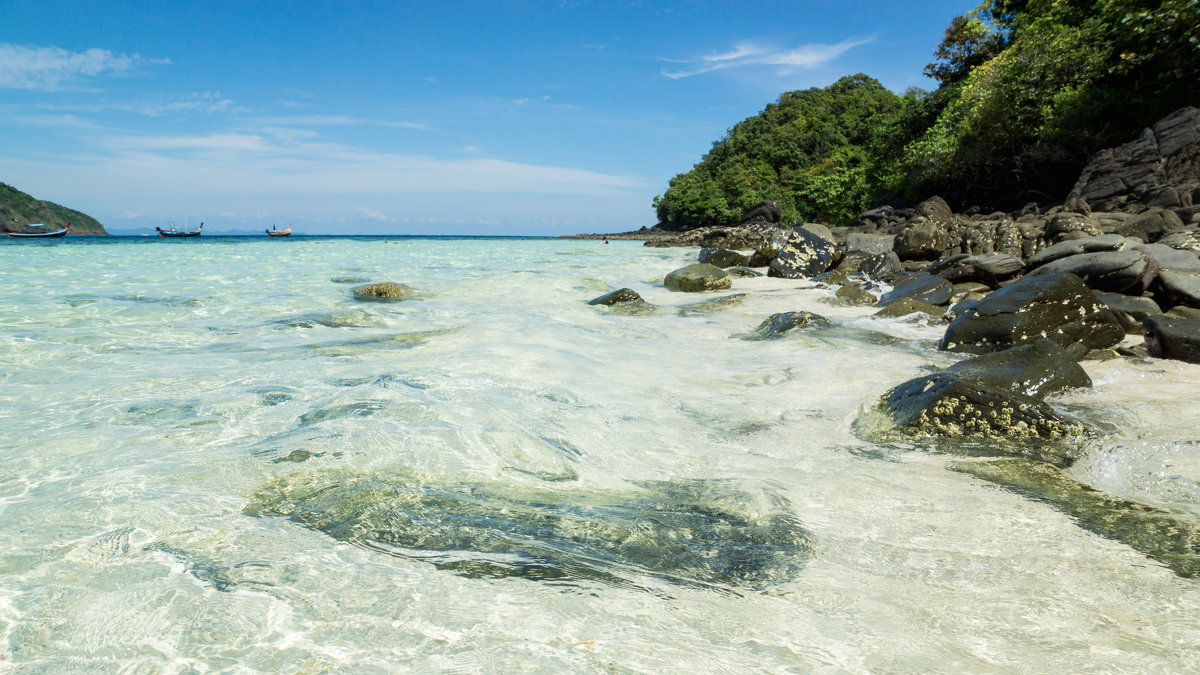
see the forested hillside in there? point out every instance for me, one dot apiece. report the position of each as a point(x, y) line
point(18, 209)
point(1028, 89)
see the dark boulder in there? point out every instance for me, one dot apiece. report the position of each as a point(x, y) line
point(1115, 271)
point(806, 254)
point(1168, 337)
point(765, 211)
point(1068, 225)
point(881, 266)
point(1178, 288)
point(932, 230)
point(952, 405)
point(922, 288)
point(1150, 226)
point(908, 306)
point(770, 246)
point(1059, 307)
point(988, 268)
point(1035, 370)
point(1161, 167)
point(740, 271)
point(1129, 309)
point(1104, 242)
point(723, 257)
point(777, 325)
point(617, 297)
point(698, 278)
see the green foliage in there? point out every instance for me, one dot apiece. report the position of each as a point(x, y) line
point(1073, 76)
point(19, 208)
point(1029, 90)
point(807, 151)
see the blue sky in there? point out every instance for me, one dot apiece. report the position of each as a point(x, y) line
point(386, 117)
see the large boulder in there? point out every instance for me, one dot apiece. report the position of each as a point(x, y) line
point(806, 254)
point(988, 268)
point(1178, 288)
point(881, 266)
point(931, 230)
point(723, 257)
point(1035, 370)
point(924, 288)
point(1115, 271)
point(1151, 225)
point(1059, 307)
point(869, 243)
point(1168, 337)
point(765, 211)
point(1104, 242)
point(698, 278)
point(1161, 167)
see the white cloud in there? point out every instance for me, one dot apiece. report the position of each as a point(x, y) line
point(750, 54)
point(50, 68)
point(339, 120)
point(371, 214)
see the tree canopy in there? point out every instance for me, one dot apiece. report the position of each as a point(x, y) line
point(1028, 90)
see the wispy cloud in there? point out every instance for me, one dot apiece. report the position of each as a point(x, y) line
point(51, 68)
point(755, 54)
point(371, 214)
point(201, 102)
point(339, 120)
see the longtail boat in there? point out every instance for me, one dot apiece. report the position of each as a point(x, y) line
point(62, 232)
point(279, 233)
point(172, 231)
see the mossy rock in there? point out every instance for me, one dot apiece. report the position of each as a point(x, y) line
point(951, 405)
point(684, 532)
point(385, 290)
point(1171, 539)
point(909, 306)
point(698, 278)
point(713, 305)
point(849, 294)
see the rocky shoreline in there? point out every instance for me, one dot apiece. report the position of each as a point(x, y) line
point(1027, 294)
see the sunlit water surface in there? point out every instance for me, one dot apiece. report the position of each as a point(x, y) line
point(149, 389)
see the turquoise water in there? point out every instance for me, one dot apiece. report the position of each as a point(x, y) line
point(214, 458)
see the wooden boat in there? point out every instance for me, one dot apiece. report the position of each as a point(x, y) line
point(279, 233)
point(52, 233)
point(171, 231)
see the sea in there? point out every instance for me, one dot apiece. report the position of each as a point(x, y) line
point(215, 458)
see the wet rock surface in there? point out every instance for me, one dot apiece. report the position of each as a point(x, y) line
point(1169, 337)
point(1035, 370)
point(386, 290)
point(682, 532)
point(924, 288)
point(777, 325)
point(616, 297)
point(1059, 307)
point(1161, 535)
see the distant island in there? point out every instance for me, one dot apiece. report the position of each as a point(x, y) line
point(19, 210)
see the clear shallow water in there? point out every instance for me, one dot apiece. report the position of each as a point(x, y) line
point(150, 389)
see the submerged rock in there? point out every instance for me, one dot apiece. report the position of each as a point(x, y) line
point(776, 325)
point(713, 305)
point(906, 306)
point(723, 257)
point(678, 531)
point(1163, 536)
point(386, 290)
point(698, 278)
